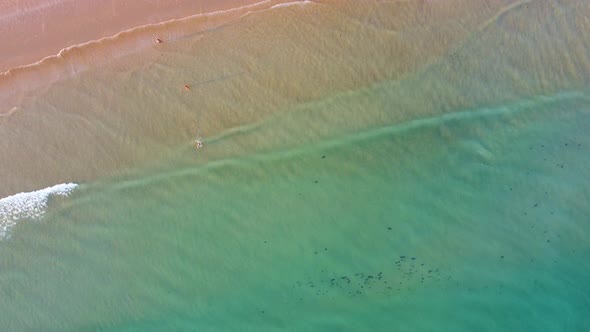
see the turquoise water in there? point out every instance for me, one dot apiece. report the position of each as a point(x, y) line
point(471, 221)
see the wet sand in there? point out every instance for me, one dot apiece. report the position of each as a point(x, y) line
point(34, 29)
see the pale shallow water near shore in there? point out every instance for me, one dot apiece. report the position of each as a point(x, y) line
point(382, 166)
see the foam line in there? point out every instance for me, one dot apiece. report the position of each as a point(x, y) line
point(28, 205)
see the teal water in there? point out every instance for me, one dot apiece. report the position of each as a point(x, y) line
point(471, 221)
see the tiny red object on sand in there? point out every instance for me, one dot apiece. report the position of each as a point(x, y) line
point(159, 41)
point(187, 87)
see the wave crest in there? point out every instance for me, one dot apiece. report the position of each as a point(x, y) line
point(28, 205)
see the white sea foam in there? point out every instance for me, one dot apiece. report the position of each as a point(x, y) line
point(29, 205)
point(287, 4)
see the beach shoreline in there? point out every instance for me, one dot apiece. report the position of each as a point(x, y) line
point(58, 61)
point(33, 30)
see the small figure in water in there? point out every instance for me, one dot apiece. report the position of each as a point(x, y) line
point(198, 142)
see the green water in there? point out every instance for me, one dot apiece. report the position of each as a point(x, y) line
point(471, 221)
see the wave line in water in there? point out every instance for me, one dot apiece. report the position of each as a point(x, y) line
point(31, 205)
point(288, 4)
point(528, 104)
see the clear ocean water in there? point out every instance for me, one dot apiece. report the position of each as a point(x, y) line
point(476, 220)
point(394, 179)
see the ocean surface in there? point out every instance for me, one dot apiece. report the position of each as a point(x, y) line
point(365, 166)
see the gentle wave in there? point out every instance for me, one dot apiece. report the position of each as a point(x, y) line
point(347, 139)
point(288, 4)
point(30, 205)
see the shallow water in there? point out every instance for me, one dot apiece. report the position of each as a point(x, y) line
point(472, 221)
point(447, 193)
